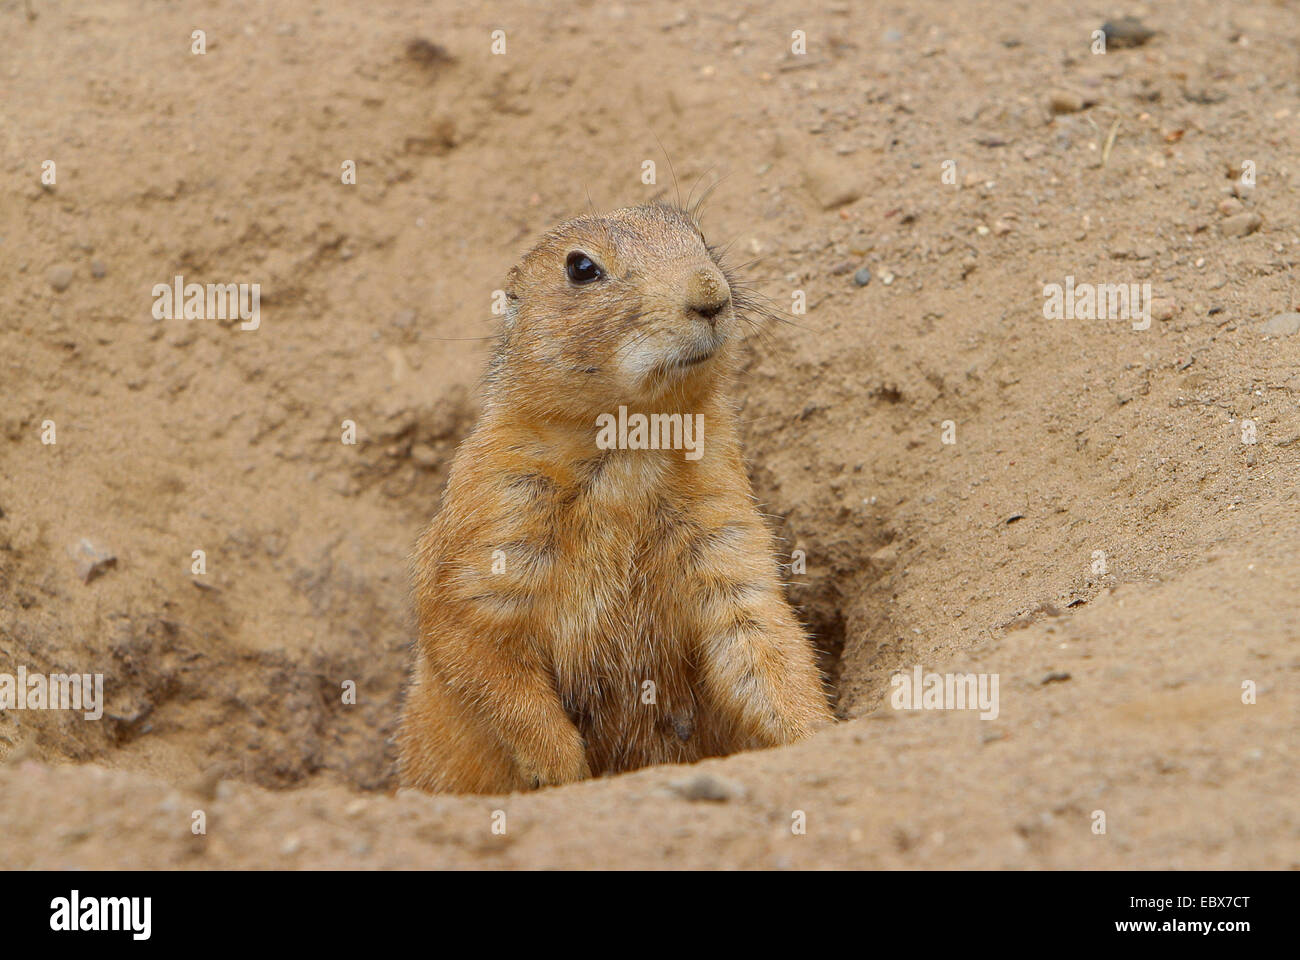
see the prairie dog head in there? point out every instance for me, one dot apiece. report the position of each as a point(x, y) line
point(632, 307)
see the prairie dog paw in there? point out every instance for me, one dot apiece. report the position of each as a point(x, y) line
point(567, 766)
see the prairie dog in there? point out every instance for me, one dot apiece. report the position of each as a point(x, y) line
point(587, 605)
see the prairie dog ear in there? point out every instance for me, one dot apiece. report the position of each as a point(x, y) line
point(511, 306)
point(512, 283)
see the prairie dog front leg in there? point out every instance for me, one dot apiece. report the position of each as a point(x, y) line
point(485, 716)
point(519, 697)
point(756, 661)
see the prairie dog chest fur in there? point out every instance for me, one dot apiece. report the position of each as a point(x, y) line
point(608, 564)
point(627, 589)
point(587, 608)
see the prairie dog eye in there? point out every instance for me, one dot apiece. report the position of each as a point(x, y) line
point(581, 268)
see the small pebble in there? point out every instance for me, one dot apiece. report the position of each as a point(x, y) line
point(832, 184)
point(1282, 325)
point(1065, 101)
point(862, 277)
point(1242, 225)
point(707, 787)
point(1230, 207)
point(1126, 32)
point(91, 561)
point(1163, 308)
point(60, 277)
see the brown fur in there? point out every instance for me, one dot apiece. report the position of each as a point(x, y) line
point(620, 566)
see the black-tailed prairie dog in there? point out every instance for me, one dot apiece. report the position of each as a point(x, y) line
point(599, 591)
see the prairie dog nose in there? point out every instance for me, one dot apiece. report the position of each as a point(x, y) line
point(707, 293)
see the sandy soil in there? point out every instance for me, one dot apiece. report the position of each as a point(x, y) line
point(1100, 536)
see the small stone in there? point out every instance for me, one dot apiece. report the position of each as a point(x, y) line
point(1231, 206)
point(424, 455)
point(886, 555)
point(426, 53)
point(1242, 225)
point(1126, 32)
point(91, 560)
point(886, 278)
point(862, 277)
point(60, 277)
point(709, 788)
point(1065, 101)
point(1001, 228)
point(1163, 308)
point(97, 269)
point(1282, 325)
point(833, 184)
